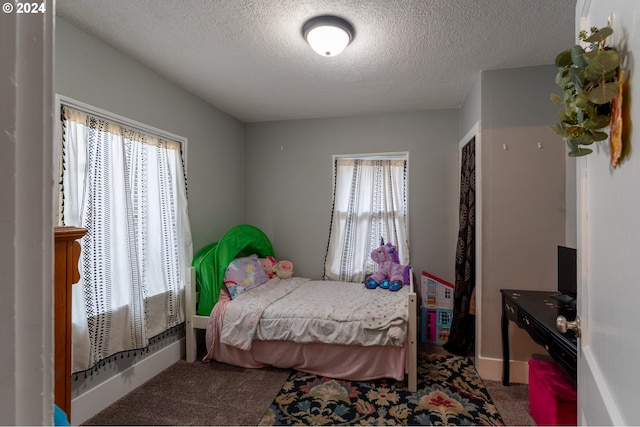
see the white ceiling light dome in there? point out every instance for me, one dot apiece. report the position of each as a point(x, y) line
point(328, 35)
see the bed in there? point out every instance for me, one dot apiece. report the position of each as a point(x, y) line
point(343, 330)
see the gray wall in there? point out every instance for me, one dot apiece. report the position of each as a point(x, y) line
point(90, 71)
point(289, 177)
point(470, 111)
point(523, 194)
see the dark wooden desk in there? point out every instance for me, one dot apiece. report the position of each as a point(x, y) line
point(536, 313)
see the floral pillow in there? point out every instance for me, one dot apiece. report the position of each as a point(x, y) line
point(244, 274)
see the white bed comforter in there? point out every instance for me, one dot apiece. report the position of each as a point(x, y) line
point(305, 311)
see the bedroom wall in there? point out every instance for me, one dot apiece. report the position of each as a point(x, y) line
point(92, 72)
point(471, 107)
point(523, 199)
point(289, 178)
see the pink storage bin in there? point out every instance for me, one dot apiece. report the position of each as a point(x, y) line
point(552, 394)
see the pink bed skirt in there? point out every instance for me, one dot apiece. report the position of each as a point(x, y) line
point(349, 362)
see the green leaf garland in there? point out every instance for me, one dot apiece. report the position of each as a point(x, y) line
point(588, 77)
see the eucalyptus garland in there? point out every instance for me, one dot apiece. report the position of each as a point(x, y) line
point(589, 77)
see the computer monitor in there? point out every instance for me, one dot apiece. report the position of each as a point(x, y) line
point(567, 271)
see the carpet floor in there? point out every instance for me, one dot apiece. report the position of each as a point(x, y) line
point(450, 392)
point(219, 394)
point(204, 394)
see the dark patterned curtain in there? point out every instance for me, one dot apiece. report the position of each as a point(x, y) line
point(462, 337)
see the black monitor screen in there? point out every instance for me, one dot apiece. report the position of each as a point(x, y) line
point(567, 271)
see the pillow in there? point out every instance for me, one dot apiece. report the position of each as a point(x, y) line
point(244, 274)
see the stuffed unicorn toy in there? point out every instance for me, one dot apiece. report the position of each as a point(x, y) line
point(391, 274)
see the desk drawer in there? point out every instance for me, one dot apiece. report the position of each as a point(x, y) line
point(566, 356)
point(538, 332)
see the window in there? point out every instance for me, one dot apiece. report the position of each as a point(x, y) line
point(127, 187)
point(369, 203)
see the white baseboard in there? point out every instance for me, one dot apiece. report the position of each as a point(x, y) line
point(491, 369)
point(104, 394)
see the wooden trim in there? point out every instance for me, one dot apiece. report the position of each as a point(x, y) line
point(412, 338)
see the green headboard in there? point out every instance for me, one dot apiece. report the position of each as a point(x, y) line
point(211, 261)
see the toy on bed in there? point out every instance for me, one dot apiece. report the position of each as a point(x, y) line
point(267, 266)
point(390, 274)
point(283, 269)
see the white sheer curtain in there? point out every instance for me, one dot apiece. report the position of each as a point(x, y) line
point(128, 190)
point(370, 202)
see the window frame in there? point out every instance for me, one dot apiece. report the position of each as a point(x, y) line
point(117, 119)
point(393, 155)
point(390, 155)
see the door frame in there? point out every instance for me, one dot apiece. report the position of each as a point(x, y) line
point(26, 86)
point(475, 134)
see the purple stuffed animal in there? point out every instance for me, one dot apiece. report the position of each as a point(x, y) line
point(391, 274)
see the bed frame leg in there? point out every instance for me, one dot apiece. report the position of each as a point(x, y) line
point(190, 311)
point(412, 355)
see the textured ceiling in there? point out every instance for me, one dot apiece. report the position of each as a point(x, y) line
point(248, 57)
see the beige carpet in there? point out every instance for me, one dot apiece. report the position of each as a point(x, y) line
point(219, 394)
point(213, 394)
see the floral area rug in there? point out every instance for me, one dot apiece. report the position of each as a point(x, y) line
point(450, 392)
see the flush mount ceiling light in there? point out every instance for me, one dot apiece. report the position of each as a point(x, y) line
point(327, 35)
